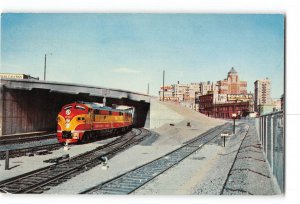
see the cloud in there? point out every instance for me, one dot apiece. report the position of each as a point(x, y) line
point(126, 70)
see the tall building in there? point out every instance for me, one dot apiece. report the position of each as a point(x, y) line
point(166, 93)
point(262, 93)
point(194, 89)
point(206, 87)
point(232, 85)
point(181, 91)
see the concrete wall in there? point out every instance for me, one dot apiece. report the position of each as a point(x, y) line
point(36, 110)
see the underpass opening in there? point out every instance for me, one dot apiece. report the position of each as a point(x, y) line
point(35, 109)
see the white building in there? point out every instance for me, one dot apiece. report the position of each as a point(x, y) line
point(206, 87)
point(181, 91)
point(262, 93)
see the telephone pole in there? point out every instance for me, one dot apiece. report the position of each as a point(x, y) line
point(164, 85)
point(148, 89)
point(45, 65)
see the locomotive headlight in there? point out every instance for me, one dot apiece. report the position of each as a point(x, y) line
point(75, 135)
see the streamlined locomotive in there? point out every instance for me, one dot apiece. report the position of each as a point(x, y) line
point(84, 121)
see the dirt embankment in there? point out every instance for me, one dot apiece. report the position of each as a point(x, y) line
point(176, 124)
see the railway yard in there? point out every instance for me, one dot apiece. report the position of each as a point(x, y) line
point(182, 154)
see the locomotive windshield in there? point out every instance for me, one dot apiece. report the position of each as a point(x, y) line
point(67, 107)
point(80, 107)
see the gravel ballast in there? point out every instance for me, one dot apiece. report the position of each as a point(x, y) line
point(239, 168)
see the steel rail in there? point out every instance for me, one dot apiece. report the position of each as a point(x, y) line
point(33, 182)
point(23, 151)
point(132, 180)
point(4, 140)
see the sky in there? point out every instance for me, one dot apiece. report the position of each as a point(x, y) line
point(128, 51)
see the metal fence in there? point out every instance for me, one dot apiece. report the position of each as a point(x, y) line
point(271, 134)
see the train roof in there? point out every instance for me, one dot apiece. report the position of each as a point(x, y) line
point(99, 106)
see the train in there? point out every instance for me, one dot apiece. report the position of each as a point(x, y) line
point(85, 121)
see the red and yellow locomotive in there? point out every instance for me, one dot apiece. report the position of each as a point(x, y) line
point(82, 121)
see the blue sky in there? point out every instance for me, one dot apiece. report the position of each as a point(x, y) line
point(128, 51)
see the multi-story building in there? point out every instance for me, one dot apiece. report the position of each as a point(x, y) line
point(262, 93)
point(282, 102)
point(225, 110)
point(206, 87)
point(277, 104)
point(186, 94)
point(224, 105)
point(232, 85)
point(194, 90)
point(206, 104)
point(166, 93)
point(181, 91)
point(228, 96)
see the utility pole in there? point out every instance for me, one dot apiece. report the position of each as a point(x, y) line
point(45, 65)
point(164, 85)
point(148, 89)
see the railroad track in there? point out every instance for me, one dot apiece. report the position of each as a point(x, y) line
point(4, 140)
point(43, 179)
point(41, 149)
point(29, 150)
point(136, 178)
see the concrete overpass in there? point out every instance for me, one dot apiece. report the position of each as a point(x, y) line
point(33, 105)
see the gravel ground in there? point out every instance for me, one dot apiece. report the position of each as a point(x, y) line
point(213, 183)
point(125, 161)
point(203, 172)
point(164, 139)
point(24, 164)
point(28, 144)
point(250, 173)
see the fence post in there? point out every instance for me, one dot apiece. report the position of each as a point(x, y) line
point(273, 141)
point(7, 160)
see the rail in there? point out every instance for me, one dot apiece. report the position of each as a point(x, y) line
point(43, 179)
point(270, 129)
point(132, 180)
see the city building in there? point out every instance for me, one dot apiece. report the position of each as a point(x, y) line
point(169, 94)
point(277, 104)
point(186, 94)
point(193, 90)
point(232, 85)
point(282, 102)
point(206, 104)
point(268, 108)
point(16, 76)
point(224, 105)
point(213, 99)
point(262, 94)
point(225, 110)
point(228, 96)
point(206, 87)
point(181, 91)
